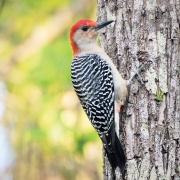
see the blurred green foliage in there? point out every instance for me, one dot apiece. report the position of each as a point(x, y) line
point(50, 133)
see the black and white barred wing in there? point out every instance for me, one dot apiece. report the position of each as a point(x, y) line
point(93, 82)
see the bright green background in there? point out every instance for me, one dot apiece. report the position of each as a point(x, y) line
point(51, 136)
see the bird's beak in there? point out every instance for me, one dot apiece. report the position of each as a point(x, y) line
point(102, 24)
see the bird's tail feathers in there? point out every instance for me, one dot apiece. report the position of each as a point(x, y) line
point(117, 158)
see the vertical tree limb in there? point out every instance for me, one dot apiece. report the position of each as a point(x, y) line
point(150, 128)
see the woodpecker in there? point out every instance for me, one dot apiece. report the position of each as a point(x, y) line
point(99, 87)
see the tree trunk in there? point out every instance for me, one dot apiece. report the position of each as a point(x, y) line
point(150, 121)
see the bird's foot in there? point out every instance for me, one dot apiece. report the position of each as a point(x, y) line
point(128, 82)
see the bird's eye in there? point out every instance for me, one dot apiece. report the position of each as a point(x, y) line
point(85, 28)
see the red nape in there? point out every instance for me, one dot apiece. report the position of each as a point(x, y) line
point(75, 27)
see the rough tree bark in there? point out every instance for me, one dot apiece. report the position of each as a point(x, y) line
point(149, 129)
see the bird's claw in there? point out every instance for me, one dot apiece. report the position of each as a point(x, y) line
point(128, 82)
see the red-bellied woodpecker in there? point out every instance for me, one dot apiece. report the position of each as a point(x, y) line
point(98, 86)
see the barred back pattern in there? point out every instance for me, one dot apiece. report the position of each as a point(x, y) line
point(93, 83)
